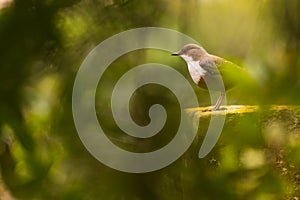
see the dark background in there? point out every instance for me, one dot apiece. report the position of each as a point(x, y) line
point(43, 43)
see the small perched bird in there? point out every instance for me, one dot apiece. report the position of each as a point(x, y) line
point(212, 72)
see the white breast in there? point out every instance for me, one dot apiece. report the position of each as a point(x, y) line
point(196, 71)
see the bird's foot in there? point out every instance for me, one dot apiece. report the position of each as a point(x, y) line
point(218, 109)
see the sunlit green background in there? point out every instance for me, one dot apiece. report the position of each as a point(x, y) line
point(43, 43)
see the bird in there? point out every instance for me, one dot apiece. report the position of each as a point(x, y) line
point(212, 72)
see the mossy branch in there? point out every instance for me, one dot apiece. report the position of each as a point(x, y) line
point(240, 109)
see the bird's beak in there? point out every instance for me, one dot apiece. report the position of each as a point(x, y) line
point(175, 54)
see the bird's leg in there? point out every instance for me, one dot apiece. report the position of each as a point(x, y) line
point(219, 102)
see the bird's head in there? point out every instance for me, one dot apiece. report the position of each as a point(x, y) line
point(191, 52)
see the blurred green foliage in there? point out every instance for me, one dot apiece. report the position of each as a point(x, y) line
point(42, 46)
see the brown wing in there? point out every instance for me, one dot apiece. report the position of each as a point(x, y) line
point(212, 79)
